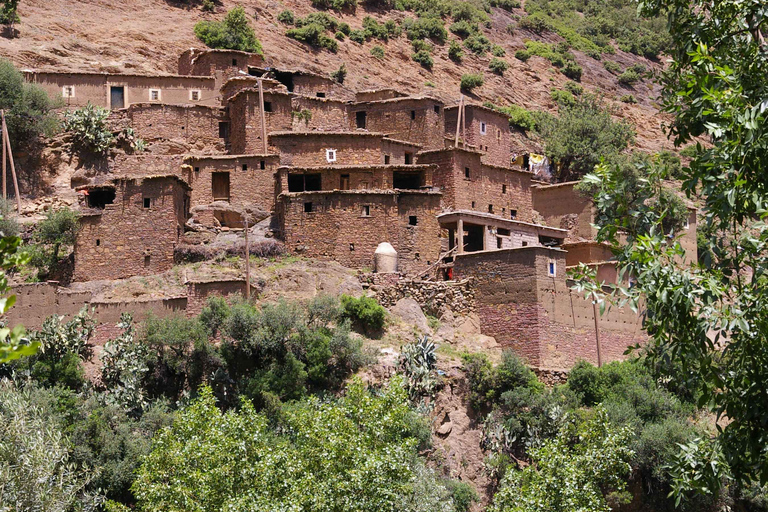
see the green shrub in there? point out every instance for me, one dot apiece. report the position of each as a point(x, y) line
point(208, 6)
point(425, 28)
point(572, 70)
point(523, 55)
point(340, 74)
point(455, 53)
point(9, 225)
point(364, 312)
point(507, 5)
point(340, 36)
point(372, 29)
point(234, 33)
point(628, 98)
point(535, 23)
point(498, 51)
point(628, 77)
point(337, 5)
point(424, 58)
point(510, 29)
point(562, 97)
point(357, 36)
point(689, 151)
point(419, 45)
point(462, 494)
point(469, 81)
point(344, 28)
point(518, 116)
point(286, 17)
point(8, 12)
point(313, 34)
point(498, 66)
point(574, 88)
point(323, 19)
point(463, 28)
point(612, 66)
point(89, 129)
point(478, 44)
point(377, 52)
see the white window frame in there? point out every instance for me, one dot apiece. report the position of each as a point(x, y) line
point(552, 268)
point(64, 91)
point(330, 155)
point(192, 93)
point(483, 128)
point(159, 95)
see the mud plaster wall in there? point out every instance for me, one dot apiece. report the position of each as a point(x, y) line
point(253, 186)
point(586, 253)
point(245, 115)
point(495, 144)
point(394, 119)
point(538, 316)
point(127, 239)
point(327, 115)
point(196, 126)
point(307, 150)
point(218, 64)
point(563, 207)
point(310, 85)
point(485, 186)
point(337, 227)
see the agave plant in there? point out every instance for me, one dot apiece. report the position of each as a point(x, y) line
point(417, 362)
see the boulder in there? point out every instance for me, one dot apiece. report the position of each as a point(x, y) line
point(409, 311)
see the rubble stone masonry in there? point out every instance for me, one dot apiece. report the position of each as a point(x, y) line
point(311, 149)
point(245, 115)
point(417, 120)
point(486, 129)
point(197, 126)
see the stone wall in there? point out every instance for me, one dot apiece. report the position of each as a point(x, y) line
point(310, 149)
point(487, 188)
point(245, 118)
point(538, 315)
point(563, 207)
point(373, 177)
point(434, 297)
point(495, 143)
point(307, 84)
point(251, 179)
point(327, 114)
point(348, 226)
point(196, 126)
point(417, 120)
point(220, 64)
point(126, 238)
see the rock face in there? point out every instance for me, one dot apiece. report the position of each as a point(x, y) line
point(409, 311)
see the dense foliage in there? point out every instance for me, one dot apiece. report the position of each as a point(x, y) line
point(89, 129)
point(233, 33)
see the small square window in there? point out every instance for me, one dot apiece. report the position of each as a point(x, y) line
point(147, 202)
point(473, 204)
point(525, 244)
point(98, 242)
point(366, 211)
point(68, 91)
point(413, 115)
point(154, 95)
point(483, 128)
point(330, 155)
point(194, 95)
point(490, 208)
point(408, 158)
point(512, 214)
point(412, 220)
point(320, 95)
point(503, 189)
point(262, 165)
point(498, 243)
point(245, 167)
point(437, 109)
point(234, 62)
point(267, 106)
point(386, 159)
point(466, 172)
point(551, 268)
point(197, 170)
point(351, 247)
point(307, 207)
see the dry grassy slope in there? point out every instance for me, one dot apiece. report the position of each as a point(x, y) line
point(148, 35)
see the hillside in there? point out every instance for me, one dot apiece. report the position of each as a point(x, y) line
point(132, 36)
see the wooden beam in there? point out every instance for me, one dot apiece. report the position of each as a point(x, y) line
point(263, 116)
point(7, 142)
point(5, 157)
point(460, 235)
point(458, 122)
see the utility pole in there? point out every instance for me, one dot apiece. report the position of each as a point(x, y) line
point(247, 260)
point(7, 142)
point(5, 188)
point(458, 121)
point(597, 332)
point(263, 116)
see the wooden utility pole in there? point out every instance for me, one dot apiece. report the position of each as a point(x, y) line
point(463, 122)
point(597, 333)
point(5, 188)
point(458, 121)
point(247, 259)
point(263, 116)
point(7, 143)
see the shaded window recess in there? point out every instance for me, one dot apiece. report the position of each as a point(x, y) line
point(223, 130)
point(344, 182)
point(220, 186)
point(245, 167)
point(548, 241)
point(351, 247)
point(412, 220)
point(234, 62)
point(147, 260)
point(386, 159)
point(100, 197)
point(466, 173)
point(366, 210)
point(473, 204)
point(490, 208)
point(194, 95)
point(502, 232)
point(116, 97)
point(304, 182)
point(408, 158)
point(413, 115)
point(503, 189)
point(551, 268)
point(285, 78)
point(308, 208)
point(320, 95)
point(483, 129)
point(98, 242)
point(474, 239)
point(267, 106)
point(361, 119)
point(406, 180)
point(498, 242)
point(525, 244)
point(437, 109)
point(262, 165)
point(513, 214)
point(197, 170)
point(147, 202)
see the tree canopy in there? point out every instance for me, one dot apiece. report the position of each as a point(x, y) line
point(234, 33)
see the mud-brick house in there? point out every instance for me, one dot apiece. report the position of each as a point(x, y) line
point(218, 64)
point(484, 129)
point(317, 148)
point(120, 90)
point(246, 133)
point(244, 181)
point(468, 183)
point(416, 119)
point(201, 127)
point(348, 225)
point(354, 177)
point(306, 83)
point(130, 226)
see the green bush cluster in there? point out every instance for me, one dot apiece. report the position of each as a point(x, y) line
point(234, 33)
point(557, 54)
point(455, 53)
point(631, 75)
point(286, 17)
point(574, 88)
point(313, 34)
point(628, 98)
point(498, 66)
point(377, 52)
point(336, 5)
point(507, 5)
point(340, 74)
point(57, 231)
point(498, 51)
point(612, 66)
point(478, 44)
point(372, 29)
point(425, 28)
point(523, 55)
point(89, 129)
point(562, 97)
point(364, 312)
point(470, 81)
point(519, 117)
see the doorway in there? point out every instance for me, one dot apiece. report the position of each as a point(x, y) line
point(220, 186)
point(116, 97)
